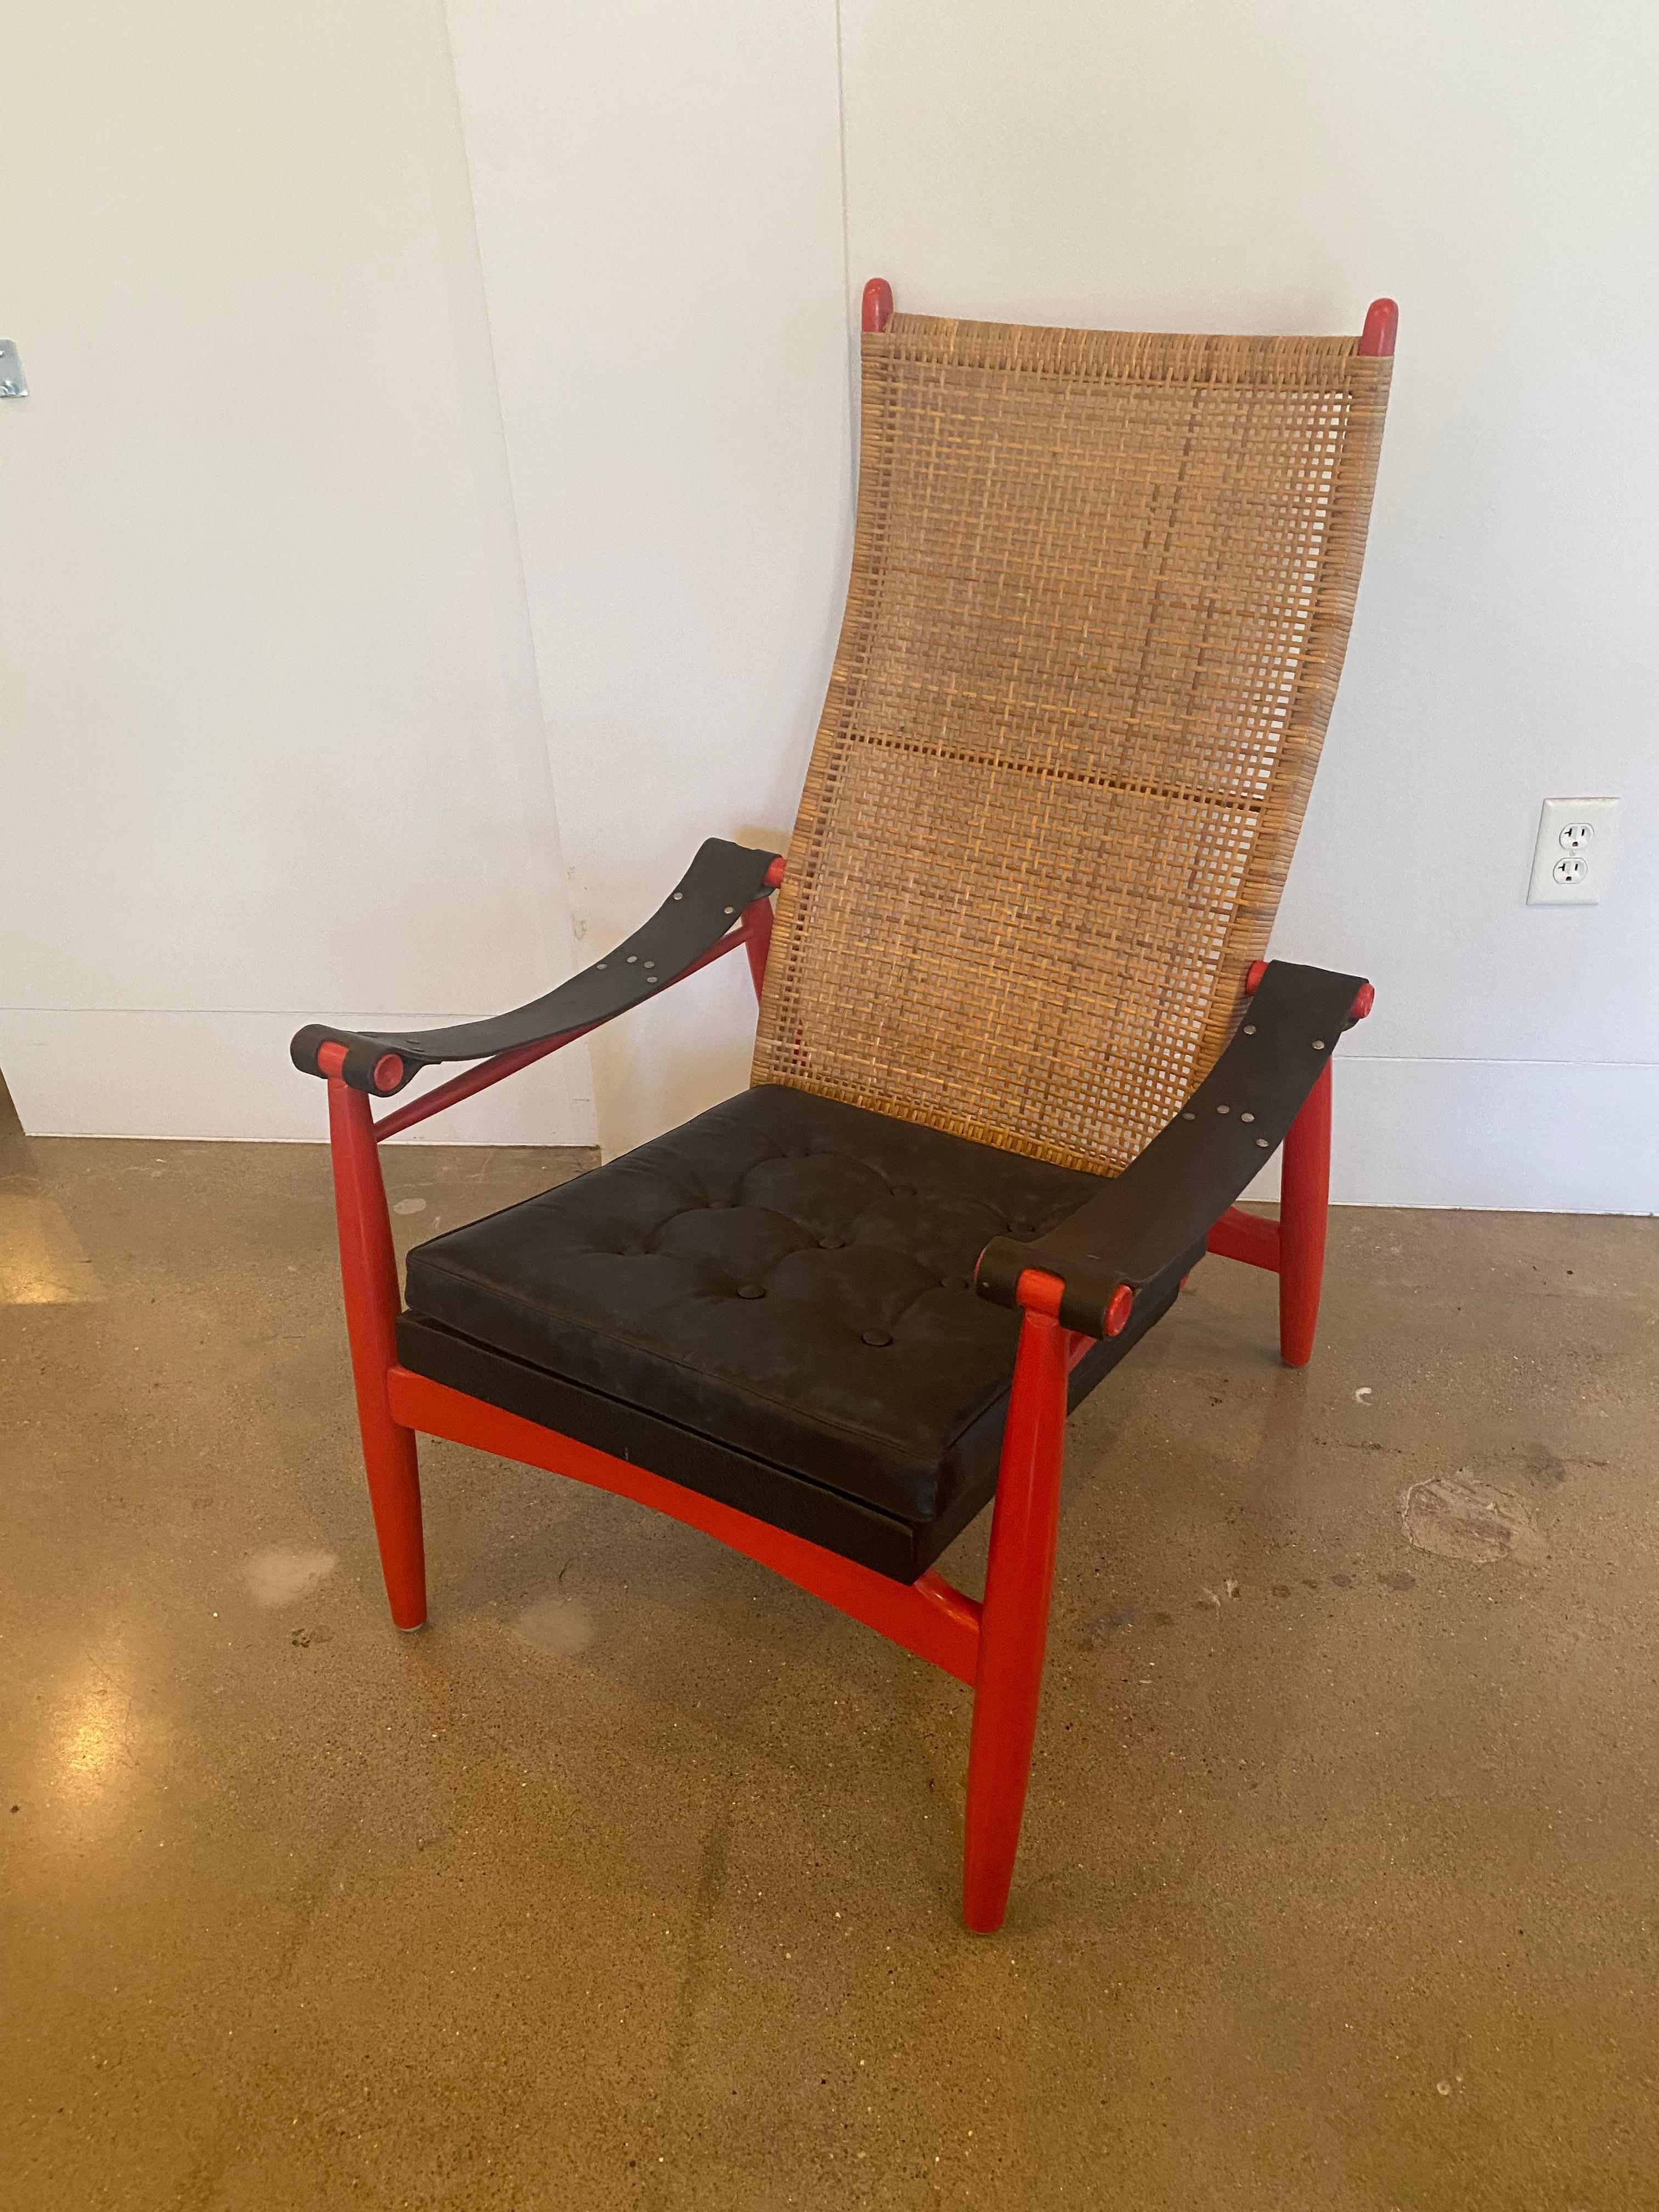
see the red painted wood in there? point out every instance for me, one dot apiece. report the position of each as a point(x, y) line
point(928, 1617)
point(758, 925)
point(1040, 1293)
point(1382, 328)
point(775, 874)
point(1245, 1236)
point(388, 1071)
point(476, 1078)
point(1014, 1623)
point(1254, 975)
point(878, 304)
point(368, 1274)
point(1364, 1000)
point(1304, 1192)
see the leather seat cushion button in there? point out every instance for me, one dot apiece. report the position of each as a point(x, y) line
point(953, 1282)
point(751, 1291)
point(832, 1243)
point(876, 1336)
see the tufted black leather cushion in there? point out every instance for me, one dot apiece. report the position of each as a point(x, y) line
point(772, 1304)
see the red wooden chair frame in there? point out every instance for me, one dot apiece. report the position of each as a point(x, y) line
point(996, 1647)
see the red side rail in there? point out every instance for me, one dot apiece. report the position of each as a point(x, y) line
point(1247, 1236)
point(927, 1616)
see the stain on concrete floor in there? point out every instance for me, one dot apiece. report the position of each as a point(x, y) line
point(632, 1883)
point(1459, 1518)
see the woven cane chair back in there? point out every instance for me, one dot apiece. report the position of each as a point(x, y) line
point(1101, 591)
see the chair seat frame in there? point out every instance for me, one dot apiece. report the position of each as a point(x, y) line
point(996, 1647)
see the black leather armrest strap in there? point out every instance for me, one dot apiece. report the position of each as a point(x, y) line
point(1151, 1221)
point(721, 882)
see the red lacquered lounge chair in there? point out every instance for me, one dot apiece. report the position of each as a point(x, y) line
point(1019, 1050)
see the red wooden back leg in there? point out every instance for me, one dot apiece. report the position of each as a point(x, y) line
point(757, 922)
point(1303, 1198)
point(757, 928)
point(1014, 1625)
point(369, 1273)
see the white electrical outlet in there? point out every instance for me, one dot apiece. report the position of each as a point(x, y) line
point(1572, 860)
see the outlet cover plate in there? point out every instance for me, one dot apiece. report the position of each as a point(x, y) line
point(1572, 860)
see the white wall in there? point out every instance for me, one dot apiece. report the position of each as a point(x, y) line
point(323, 621)
point(659, 209)
point(272, 743)
point(1209, 167)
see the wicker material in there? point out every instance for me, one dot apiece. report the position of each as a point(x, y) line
point(1101, 591)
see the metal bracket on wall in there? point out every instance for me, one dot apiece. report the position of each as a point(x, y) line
point(14, 384)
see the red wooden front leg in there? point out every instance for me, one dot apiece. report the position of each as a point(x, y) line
point(1014, 1625)
point(368, 1274)
point(1303, 1201)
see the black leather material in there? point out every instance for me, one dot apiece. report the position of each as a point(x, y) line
point(773, 1305)
point(706, 903)
point(901, 1549)
point(1147, 1227)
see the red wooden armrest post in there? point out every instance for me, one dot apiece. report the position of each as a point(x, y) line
point(1014, 1625)
point(1304, 1186)
point(368, 1274)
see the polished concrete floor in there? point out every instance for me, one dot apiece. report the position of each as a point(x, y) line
point(631, 1882)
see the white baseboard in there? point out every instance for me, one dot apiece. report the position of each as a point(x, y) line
point(1525, 1136)
point(228, 1075)
point(1529, 1136)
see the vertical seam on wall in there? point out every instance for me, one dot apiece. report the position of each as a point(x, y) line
point(549, 881)
point(846, 208)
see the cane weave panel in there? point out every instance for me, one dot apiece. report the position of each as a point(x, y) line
point(1102, 587)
